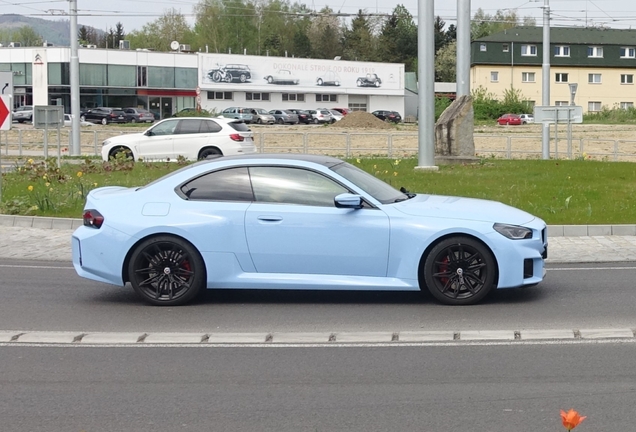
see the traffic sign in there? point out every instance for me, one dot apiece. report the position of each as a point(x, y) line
point(5, 112)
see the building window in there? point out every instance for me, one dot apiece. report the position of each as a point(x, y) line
point(561, 103)
point(482, 47)
point(527, 76)
point(528, 50)
point(561, 77)
point(594, 78)
point(627, 79)
point(299, 97)
point(494, 76)
point(593, 106)
point(628, 52)
point(627, 105)
point(506, 48)
point(562, 51)
point(257, 96)
point(212, 95)
point(326, 98)
point(142, 76)
point(595, 51)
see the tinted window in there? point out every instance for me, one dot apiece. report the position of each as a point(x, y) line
point(208, 126)
point(293, 186)
point(226, 185)
point(189, 126)
point(370, 184)
point(239, 126)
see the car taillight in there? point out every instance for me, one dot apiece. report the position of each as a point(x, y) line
point(93, 219)
point(236, 137)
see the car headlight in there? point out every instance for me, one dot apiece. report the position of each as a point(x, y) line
point(513, 232)
point(105, 143)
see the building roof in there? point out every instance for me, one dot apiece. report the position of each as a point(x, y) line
point(565, 35)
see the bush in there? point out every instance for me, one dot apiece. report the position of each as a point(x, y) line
point(487, 107)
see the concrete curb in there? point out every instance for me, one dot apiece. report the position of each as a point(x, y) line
point(553, 230)
point(321, 338)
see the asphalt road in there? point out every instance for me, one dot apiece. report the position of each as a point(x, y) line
point(50, 296)
point(460, 388)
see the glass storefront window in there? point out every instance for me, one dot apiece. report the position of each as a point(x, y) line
point(185, 78)
point(160, 77)
point(93, 74)
point(122, 76)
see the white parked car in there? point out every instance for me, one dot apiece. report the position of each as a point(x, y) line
point(527, 118)
point(282, 76)
point(191, 137)
point(68, 121)
point(23, 114)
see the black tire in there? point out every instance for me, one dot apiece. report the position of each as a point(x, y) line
point(377, 83)
point(243, 78)
point(104, 121)
point(270, 80)
point(459, 271)
point(359, 83)
point(21, 121)
point(121, 149)
point(316, 121)
point(320, 82)
point(166, 271)
point(133, 120)
point(210, 152)
point(259, 121)
point(228, 78)
point(280, 121)
point(216, 76)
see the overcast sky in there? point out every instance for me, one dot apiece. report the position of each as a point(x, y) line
point(133, 14)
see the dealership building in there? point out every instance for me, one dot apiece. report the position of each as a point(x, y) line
point(167, 82)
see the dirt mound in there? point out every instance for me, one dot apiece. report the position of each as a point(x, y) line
point(361, 120)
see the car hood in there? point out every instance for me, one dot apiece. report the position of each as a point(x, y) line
point(125, 138)
point(449, 207)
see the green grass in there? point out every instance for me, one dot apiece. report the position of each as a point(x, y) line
point(559, 191)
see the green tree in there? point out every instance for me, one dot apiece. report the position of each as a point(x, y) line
point(158, 34)
point(484, 24)
point(439, 33)
point(446, 63)
point(26, 36)
point(325, 35)
point(224, 25)
point(358, 41)
point(398, 39)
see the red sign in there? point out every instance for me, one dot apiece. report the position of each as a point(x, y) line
point(5, 114)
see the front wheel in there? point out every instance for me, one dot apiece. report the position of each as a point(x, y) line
point(320, 81)
point(459, 271)
point(133, 120)
point(166, 271)
point(104, 121)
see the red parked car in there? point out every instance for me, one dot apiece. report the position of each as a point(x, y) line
point(343, 111)
point(510, 119)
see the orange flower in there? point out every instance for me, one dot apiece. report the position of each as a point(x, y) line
point(571, 419)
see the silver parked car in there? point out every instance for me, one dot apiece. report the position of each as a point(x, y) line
point(527, 118)
point(23, 114)
point(239, 113)
point(285, 116)
point(321, 116)
point(262, 117)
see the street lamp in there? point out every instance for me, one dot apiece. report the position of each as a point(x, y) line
point(573, 87)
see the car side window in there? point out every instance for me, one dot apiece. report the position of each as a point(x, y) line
point(225, 185)
point(208, 126)
point(287, 185)
point(188, 126)
point(165, 128)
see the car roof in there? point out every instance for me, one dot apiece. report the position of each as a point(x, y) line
point(326, 161)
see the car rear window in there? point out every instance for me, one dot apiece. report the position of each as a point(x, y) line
point(239, 126)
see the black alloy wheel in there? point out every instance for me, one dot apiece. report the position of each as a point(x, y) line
point(210, 153)
point(166, 271)
point(459, 271)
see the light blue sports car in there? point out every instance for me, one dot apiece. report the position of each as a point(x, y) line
point(302, 222)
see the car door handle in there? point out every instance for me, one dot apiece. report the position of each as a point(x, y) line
point(266, 218)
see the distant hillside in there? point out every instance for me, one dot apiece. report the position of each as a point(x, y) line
point(56, 31)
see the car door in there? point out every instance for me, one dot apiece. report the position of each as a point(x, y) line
point(294, 227)
point(156, 143)
point(190, 136)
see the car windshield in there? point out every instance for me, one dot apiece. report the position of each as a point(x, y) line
point(261, 111)
point(375, 187)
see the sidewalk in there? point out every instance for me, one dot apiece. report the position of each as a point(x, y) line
point(38, 238)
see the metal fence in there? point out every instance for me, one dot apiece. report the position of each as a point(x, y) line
point(29, 142)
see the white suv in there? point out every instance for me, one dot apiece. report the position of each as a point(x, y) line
point(191, 137)
point(23, 114)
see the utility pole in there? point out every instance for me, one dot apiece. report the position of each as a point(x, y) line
point(545, 99)
point(463, 48)
point(74, 70)
point(426, 85)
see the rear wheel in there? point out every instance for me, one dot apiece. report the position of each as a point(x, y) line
point(210, 153)
point(280, 121)
point(320, 82)
point(459, 271)
point(133, 120)
point(166, 271)
point(104, 121)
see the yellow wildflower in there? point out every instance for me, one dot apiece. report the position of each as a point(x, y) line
point(30, 161)
point(79, 174)
point(394, 174)
point(47, 184)
point(397, 162)
point(79, 192)
point(95, 184)
point(44, 176)
point(30, 188)
point(375, 167)
point(358, 160)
